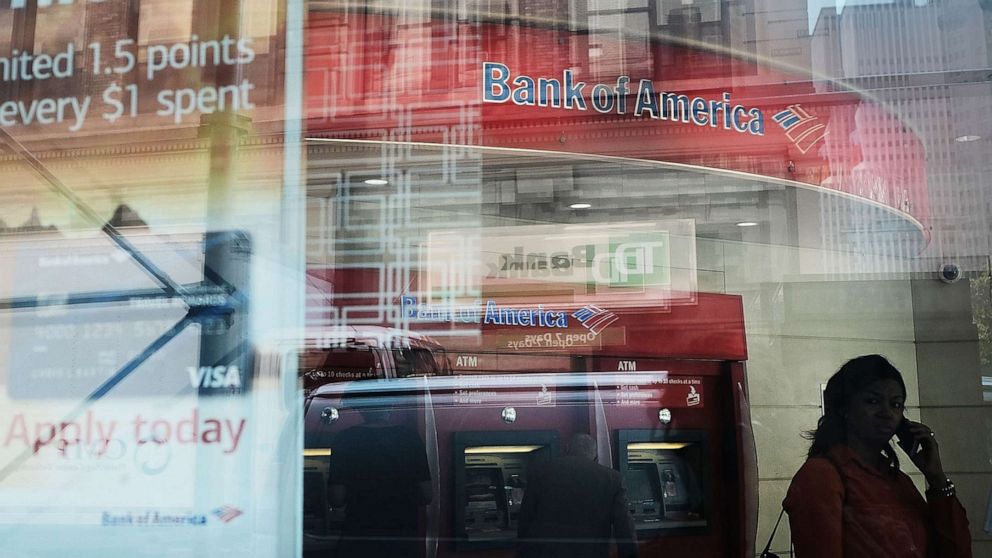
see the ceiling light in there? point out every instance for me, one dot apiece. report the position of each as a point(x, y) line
point(377, 182)
point(580, 206)
point(967, 138)
point(747, 224)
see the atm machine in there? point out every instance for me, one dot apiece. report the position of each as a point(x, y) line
point(686, 452)
point(662, 392)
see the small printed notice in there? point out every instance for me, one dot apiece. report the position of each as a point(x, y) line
point(673, 391)
point(532, 390)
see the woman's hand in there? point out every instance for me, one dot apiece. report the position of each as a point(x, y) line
point(927, 458)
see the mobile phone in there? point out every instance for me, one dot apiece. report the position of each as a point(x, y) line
point(906, 440)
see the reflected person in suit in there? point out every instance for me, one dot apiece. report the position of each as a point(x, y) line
point(379, 472)
point(573, 506)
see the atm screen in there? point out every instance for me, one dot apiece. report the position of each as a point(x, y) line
point(642, 483)
point(321, 523)
point(664, 488)
point(491, 483)
point(483, 482)
point(485, 511)
point(495, 478)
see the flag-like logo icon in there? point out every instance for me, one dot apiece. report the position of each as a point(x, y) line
point(801, 127)
point(594, 318)
point(227, 513)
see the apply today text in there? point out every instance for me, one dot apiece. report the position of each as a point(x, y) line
point(90, 429)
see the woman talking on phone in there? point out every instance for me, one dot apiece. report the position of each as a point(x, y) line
point(849, 499)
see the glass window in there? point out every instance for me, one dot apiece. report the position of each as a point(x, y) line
point(456, 278)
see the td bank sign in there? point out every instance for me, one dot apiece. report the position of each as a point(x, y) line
point(599, 258)
point(624, 260)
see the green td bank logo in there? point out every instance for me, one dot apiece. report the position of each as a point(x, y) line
point(634, 260)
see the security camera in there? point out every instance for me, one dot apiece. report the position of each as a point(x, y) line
point(949, 273)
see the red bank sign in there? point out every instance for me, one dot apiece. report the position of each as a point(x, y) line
point(487, 88)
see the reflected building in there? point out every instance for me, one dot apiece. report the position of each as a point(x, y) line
point(910, 57)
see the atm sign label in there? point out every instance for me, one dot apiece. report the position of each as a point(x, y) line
point(467, 361)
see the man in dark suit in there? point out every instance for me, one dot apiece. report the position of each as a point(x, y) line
point(573, 506)
point(379, 473)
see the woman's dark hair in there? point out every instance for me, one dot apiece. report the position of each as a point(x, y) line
point(856, 374)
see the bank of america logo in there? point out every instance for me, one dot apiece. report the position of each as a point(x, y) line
point(801, 127)
point(594, 318)
point(227, 513)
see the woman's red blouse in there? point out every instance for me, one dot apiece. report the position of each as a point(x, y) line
point(871, 513)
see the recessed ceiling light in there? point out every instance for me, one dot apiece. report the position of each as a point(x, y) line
point(377, 182)
point(967, 138)
point(747, 224)
point(580, 206)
